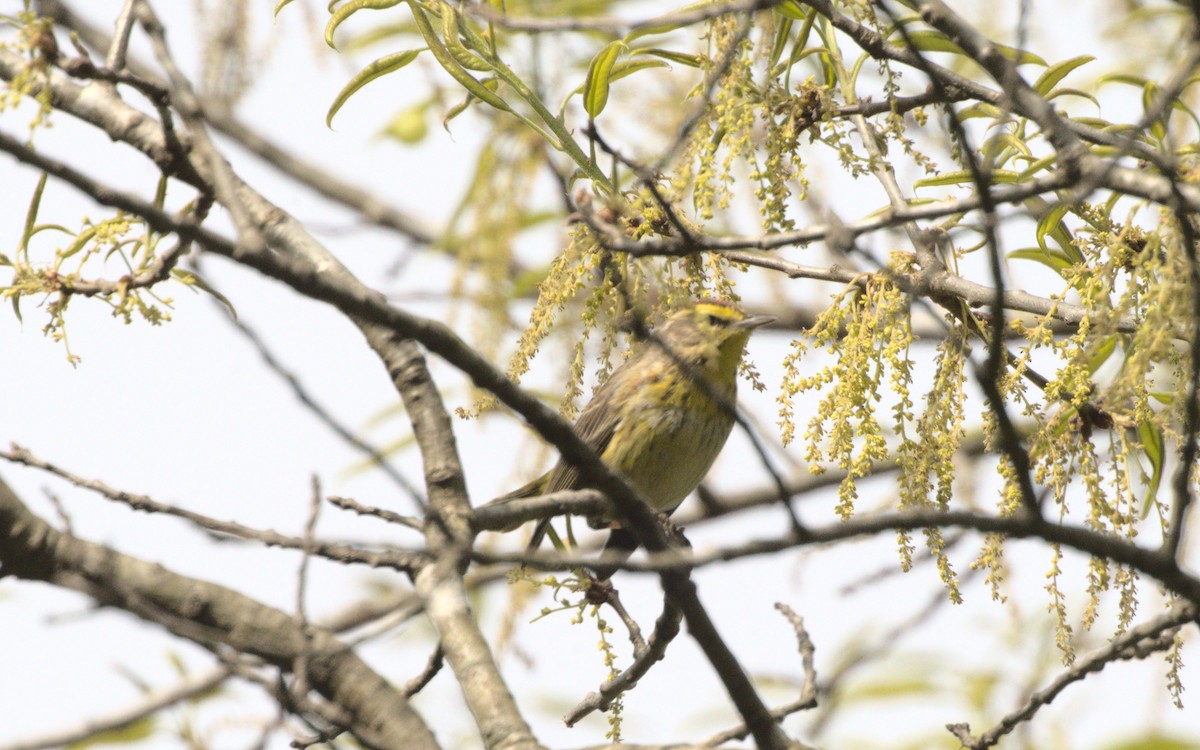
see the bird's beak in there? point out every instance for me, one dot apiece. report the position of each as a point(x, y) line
point(755, 321)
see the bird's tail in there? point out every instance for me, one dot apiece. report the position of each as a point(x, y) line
point(620, 545)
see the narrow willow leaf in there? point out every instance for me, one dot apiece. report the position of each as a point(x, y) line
point(683, 58)
point(791, 9)
point(80, 242)
point(782, 35)
point(1102, 354)
point(1151, 439)
point(377, 69)
point(1052, 224)
point(667, 25)
point(35, 204)
point(190, 279)
point(962, 177)
point(376, 35)
point(982, 109)
point(126, 734)
point(465, 104)
point(281, 5)
point(349, 9)
point(1047, 258)
point(1056, 93)
point(451, 66)
point(595, 88)
point(409, 125)
point(458, 50)
point(1058, 71)
point(1036, 166)
point(1125, 78)
point(933, 41)
point(619, 71)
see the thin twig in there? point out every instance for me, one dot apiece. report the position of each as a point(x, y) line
point(1138, 643)
point(310, 402)
point(333, 551)
point(808, 693)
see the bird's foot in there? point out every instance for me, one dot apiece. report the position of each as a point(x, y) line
point(599, 592)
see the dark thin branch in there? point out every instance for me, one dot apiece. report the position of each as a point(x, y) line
point(1140, 642)
point(324, 183)
point(1152, 563)
point(432, 667)
point(991, 373)
point(32, 550)
point(346, 503)
point(808, 693)
point(331, 550)
point(616, 26)
point(149, 704)
point(368, 307)
point(666, 627)
point(317, 409)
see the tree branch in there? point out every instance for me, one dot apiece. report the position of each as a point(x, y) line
point(208, 614)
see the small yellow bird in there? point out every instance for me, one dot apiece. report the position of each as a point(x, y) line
point(655, 419)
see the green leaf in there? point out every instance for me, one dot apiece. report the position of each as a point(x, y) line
point(692, 61)
point(1102, 354)
point(1058, 71)
point(1125, 78)
point(1051, 260)
point(451, 66)
point(377, 34)
point(80, 242)
point(889, 687)
point(35, 204)
point(1155, 741)
point(982, 109)
point(381, 67)
point(454, 44)
point(1056, 93)
point(1151, 439)
point(667, 25)
point(933, 41)
point(281, 5)
point(195, 280)
point(1035, 166)
point(963, 177)
point(782, 34)
point(1021, 57)
point(1093, 122)
point(1150, 92)
point(791, 9)
point(1051, 223)
point(619, 71)
point(409, 125)
point(349, 9)
point(134, 731)
point(595, 88)
point(1003, 146)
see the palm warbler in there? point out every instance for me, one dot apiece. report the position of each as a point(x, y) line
point(656, 419)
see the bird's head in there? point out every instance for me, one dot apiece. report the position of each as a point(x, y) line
point(710, 334)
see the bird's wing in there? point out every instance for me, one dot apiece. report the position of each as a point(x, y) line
point(596, 427)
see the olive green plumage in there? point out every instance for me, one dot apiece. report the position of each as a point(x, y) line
point(653, 421)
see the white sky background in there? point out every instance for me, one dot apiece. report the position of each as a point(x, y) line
point(188, 414)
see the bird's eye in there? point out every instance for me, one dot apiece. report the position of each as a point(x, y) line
point(717, 320)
